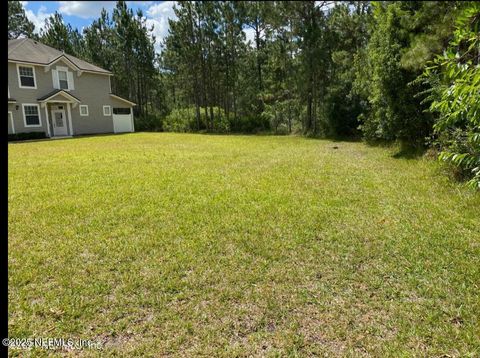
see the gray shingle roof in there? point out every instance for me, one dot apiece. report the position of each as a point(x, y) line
point(31, 51)
point(54, 92)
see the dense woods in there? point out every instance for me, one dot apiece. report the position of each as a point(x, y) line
point(384, 71)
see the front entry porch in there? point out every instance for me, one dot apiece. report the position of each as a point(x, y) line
point(57, 106)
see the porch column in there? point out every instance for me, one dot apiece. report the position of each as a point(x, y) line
point(46, 117)
point(131, 118)
point(70, 118)
point(10, 117)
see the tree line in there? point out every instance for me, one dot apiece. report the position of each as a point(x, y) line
point(384, 71)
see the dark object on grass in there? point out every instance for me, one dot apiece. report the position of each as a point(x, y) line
point(335, 147)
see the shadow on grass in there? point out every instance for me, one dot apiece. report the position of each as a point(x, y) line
point(349, 139)
point(409, 153)
point(401, 150)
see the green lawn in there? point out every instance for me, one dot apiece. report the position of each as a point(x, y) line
point(199, 245)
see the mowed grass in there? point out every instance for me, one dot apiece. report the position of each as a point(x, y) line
point(195, 245)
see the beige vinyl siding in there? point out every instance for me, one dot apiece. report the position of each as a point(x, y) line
point(43, 84)
point(94, 91)
point(91, 89)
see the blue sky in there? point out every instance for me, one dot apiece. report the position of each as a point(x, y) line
point(81, 14)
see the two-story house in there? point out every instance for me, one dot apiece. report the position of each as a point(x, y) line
point(61, 95)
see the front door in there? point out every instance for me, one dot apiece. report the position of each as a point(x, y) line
point(59, 122)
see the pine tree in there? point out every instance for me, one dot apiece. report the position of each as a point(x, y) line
point(60, 36)
point(18, 23)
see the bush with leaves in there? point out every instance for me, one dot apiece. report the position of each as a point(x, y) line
point(404, 36)
point(455, 96)
point(394, 112)
point(184, 120)
point(151, 122)
point(281, 115)
point(26, 136)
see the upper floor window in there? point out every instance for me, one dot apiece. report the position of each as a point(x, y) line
point(26, 76)
point(63, 79)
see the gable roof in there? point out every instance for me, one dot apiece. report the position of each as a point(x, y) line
point(34, 52)
point(61, 92)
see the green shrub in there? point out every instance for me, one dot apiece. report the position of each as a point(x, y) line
point(252, 124)
point(179, 120)
point(184, 120)
point(26, 136)
point(455, 96)
point(281, 115)
point(152, 122)
point(393, 108)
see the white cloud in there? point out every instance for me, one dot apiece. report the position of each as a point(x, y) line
point(84, 9)
point(157, 31)
point(38, 19)
point(158, 15)
point(325, 5)
point(249, 36)
point(164, 8)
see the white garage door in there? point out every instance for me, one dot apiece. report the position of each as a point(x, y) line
point(122, 121)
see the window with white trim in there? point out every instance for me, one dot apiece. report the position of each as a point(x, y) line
point(31, 115)
point(107, 110)
point(62, 79)
point(26, 75)
point(83, 110)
